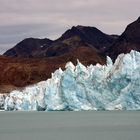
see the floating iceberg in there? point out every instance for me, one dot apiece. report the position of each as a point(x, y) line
point(100, 87)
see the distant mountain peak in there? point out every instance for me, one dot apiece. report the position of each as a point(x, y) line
point(129, 40)
point(89, 35)
point(84, 27)
point(77, 36)
point(132, 32)
point(80, 26)
point(28, 47)
point(87, 28)
point(138, 18)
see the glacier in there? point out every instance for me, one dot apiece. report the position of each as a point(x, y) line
point(100, 87)
point(2, 100)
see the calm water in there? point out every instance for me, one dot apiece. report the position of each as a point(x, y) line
point(105, 125)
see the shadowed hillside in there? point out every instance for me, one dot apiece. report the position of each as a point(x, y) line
point(19, 72)
point(129, 40)
point(33, 60)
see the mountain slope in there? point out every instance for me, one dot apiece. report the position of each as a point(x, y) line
point(89, 35)
point(78, 36)
point(19, 72)
point(129, 40)
point(28, 47)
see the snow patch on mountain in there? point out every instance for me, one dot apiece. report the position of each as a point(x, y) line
point(100, 87)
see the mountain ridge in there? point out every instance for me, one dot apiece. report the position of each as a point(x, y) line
point(127, 41)
point(48, 55)
point(75, 37)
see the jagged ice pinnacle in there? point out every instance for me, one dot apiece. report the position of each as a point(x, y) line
point(108, 87)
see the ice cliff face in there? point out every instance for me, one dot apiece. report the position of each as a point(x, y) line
point(2, 101)
point(108, 87)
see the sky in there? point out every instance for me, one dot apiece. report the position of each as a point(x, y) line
point(20, 19)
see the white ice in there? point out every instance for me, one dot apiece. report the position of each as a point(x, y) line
point(100, 87)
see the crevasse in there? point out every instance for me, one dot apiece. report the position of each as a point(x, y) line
point(100, 87)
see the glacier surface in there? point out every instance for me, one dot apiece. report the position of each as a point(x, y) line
point(100, 87)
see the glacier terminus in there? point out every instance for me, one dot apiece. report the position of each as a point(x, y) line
point(100, 87)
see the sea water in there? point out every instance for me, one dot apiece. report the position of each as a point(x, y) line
point(84, 125)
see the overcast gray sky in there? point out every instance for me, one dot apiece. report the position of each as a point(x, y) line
point(20, 19)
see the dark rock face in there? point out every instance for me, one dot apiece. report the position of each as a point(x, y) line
point(129, 40)
point(78, 36)
point(89, 35)
point(28, 48)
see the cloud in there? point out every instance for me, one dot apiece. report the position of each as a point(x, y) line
point(50, 18)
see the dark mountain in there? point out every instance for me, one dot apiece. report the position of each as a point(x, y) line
point(129, 40)
point(33, 60)
point(29, 47)
point(89, 35)
point(78, 36)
